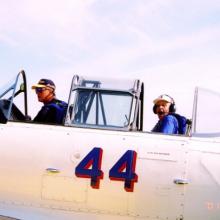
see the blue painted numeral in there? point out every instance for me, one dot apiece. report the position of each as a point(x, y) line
point(90, 167)
point(124, 170)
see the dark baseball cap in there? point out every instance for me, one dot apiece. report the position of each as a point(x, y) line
point(44, 83)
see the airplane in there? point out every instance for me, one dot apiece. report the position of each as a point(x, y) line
point(100, 164)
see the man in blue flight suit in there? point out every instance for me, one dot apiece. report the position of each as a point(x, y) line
point(54, 110)
point(164, 107)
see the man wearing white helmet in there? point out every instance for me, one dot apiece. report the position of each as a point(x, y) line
point(164, 107)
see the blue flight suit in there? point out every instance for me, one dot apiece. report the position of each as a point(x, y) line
point(52, 112)
point(167, 125)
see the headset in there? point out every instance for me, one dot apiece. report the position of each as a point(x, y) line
point(172, 108)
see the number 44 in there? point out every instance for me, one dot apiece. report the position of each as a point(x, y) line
point(123, 170)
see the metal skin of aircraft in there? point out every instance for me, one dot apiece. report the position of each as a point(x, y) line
point(100, 164)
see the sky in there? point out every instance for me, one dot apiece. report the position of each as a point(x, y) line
point(172, 46)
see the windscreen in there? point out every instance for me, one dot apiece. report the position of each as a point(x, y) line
point(206, 117)
point(6, 93)
point(11, 103)
point(101, 108)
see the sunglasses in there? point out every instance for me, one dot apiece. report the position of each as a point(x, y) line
point(39, 90)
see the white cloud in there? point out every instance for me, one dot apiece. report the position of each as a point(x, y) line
point(72, 29)
point(45, 21)
point(4, 39)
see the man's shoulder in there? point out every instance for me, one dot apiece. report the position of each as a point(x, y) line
point(170, 117)
point(179, 117)
point(57, 102)
point(182, 122)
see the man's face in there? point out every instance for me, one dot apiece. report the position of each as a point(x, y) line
point(162, 108)
point(44, 94)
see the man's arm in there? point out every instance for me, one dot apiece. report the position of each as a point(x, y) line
point(169, 125)
point(45, 115)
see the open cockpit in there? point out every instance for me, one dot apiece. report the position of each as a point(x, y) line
point(108, 104)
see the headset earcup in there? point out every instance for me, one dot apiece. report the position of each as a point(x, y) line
point(172, 108)
point(154, 109)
